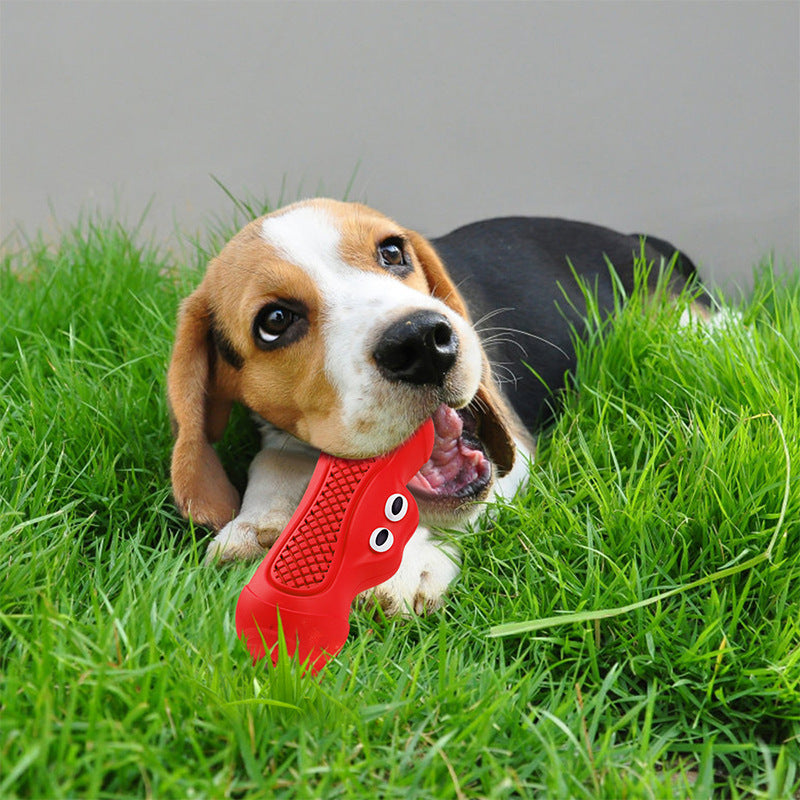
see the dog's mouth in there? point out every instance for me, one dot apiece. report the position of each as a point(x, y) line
point(458, 468)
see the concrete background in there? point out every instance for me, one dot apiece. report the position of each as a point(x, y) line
point(679, 119)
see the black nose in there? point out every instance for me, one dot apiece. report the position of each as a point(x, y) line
point(420, 348)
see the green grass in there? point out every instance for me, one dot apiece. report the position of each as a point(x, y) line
point(663, 513)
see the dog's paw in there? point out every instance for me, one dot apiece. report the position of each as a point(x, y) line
point(245, 540)
point(419, 586)
point(270, 527)
point(237, 541)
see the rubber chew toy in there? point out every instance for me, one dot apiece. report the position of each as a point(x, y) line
point(347, 535)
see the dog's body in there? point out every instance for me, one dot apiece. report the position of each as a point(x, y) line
point(520, 275)
point(343, 331)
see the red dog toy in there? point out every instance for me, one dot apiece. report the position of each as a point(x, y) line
point(347, 535)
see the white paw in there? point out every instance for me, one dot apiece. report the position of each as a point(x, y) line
point(427, 569)
point(243, 540)
point(237, 541)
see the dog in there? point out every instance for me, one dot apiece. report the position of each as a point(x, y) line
point(342, 331)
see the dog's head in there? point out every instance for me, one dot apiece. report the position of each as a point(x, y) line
point(336, 324)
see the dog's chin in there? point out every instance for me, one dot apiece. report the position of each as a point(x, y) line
point(459, 472)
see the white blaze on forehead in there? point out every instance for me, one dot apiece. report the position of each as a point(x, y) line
point(306, 236)
point(309, 237)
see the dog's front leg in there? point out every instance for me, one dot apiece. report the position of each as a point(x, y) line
point(277, 479)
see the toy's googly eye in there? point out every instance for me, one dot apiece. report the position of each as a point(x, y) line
point(381, 540)
point(396, 507)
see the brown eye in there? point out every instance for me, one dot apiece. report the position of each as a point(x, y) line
point(272, 322)
point(392, 256)
point(277, 324)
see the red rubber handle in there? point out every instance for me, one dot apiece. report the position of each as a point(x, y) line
point(347, 535)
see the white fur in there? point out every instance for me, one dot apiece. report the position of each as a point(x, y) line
point(722, 319)
point(506, 487)
point(428, 567)
point(306, 236)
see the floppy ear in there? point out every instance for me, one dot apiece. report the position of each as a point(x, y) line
point(200, 407)
point(440, 283)
point(495, 421)
point(492, 413)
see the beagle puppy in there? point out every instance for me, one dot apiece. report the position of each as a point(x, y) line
point(342, 331)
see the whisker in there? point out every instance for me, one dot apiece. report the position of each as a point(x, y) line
point(480, 405)
point(506, 376)
point(500, 338)
point(530, 335)
point(486, 317)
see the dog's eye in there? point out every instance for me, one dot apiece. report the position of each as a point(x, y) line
point(277, 324)
point(392, 256)
point(273, 321)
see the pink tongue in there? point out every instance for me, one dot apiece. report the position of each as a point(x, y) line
point(453, 465)
point(448, 427)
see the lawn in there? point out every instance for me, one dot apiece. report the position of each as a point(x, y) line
point(662, 518)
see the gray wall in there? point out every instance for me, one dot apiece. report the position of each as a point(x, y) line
point(681, 119)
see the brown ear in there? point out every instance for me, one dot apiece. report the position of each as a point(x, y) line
point(494, 416)
point(200, 409)
point(495, 422)
point(440, 283)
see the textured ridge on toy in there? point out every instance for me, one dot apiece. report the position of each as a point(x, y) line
point(305, 558)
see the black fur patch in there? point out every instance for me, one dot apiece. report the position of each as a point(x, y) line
point(224, 346)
